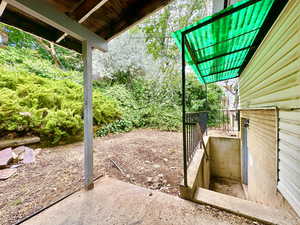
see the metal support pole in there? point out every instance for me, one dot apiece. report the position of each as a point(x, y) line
point(183, 110)
point(88, 116)
point(206, 100)
point(206, 106)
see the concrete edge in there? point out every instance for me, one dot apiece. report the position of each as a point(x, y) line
point(235, 212)
point(246, 213)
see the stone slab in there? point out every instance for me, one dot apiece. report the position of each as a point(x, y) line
point(24, 154)
point(7, 173)
point(6, 157)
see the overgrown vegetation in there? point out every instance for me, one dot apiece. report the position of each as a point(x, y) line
point(42, 94)
point(38, 98)
point(156, 104)
point(31, 61)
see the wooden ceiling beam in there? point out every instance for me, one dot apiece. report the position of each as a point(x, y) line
point(17, 20)
point(3, 5)
point(81, 10)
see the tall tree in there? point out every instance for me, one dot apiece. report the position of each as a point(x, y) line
point(158, 28)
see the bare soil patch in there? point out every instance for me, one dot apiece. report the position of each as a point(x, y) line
point(148, 158)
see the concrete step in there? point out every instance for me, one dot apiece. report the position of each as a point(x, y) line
point(245, 208)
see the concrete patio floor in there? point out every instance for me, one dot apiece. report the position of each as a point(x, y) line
point(116, 202)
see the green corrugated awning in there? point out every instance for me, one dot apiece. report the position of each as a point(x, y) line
point(219, 47)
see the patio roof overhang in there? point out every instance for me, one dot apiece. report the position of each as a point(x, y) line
point(68, 22)
point(220, 46)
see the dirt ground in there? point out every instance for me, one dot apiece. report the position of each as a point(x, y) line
point(145, 157)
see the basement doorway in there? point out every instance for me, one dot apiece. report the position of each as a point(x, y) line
point(245, 154)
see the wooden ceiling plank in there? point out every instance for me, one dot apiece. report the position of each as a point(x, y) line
point(98, 6)
point(49, 15)
point(130, 17)
point(86, 9)
point(81, 20)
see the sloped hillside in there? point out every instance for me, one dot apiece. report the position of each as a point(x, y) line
point(41, 99)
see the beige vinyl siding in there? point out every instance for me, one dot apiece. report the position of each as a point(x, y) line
point(289, 155)
point(272, 77)
point(262, 152)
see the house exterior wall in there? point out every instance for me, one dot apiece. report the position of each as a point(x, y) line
point(289, 155)
point(262, 153)
point(272, 79)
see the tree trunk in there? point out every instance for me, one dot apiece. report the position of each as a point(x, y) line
point(51, 49)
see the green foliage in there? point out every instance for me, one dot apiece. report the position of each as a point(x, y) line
point(52, 109)
point(158, 28)
point(115, 127)
point(70, 60)
point(157, 104)
point(143, 104)
point(38, 97)
point(30, 60)
point(196, 99)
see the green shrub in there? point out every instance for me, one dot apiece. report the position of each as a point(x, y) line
point(141, 107)
point(117, 126)
point(52, 109)
point(60, 124)
point(30, 60)
point(11, 118)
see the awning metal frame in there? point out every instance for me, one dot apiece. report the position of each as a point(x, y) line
point(273, 13)
point(276, 8)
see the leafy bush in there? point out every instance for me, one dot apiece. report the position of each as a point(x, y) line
point(156, 104)
point(52, 109)
point(30, 60)
point(115, 127)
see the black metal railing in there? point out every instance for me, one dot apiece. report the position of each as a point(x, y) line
point(195, 127)
point(193, 123)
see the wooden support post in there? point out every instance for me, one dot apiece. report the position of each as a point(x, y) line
point(3, 5)
point(88, 116)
